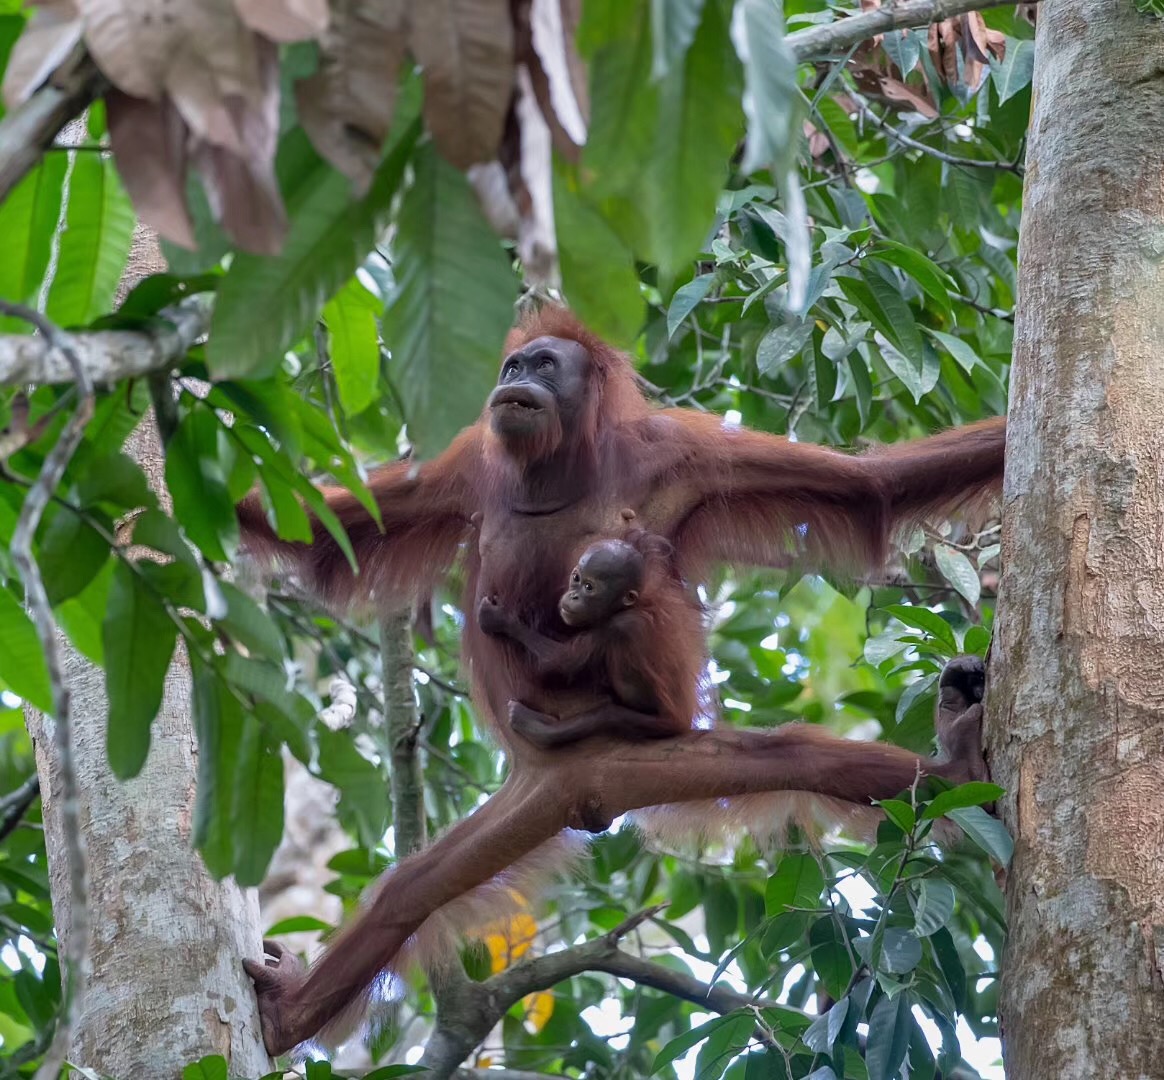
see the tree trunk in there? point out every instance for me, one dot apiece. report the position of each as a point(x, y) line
point(166, 985)
point(1076, 702)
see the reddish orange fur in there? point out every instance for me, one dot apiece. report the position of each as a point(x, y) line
point(716, 494)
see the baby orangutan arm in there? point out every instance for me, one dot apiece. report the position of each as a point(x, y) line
point(551, 658)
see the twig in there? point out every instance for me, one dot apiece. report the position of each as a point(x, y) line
point(925, 148)
point(15, 804)
point(77, 954)
point(817, 42)
point(106, 356)
point(28, 130)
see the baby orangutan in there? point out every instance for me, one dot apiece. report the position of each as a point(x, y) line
point(636, 633)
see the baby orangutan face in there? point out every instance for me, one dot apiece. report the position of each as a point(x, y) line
point(607, 579)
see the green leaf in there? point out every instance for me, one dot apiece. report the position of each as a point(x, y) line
point(686, 299)
point(823, 1031)
point(679, 1046)
point(928, 621)
point(883, 306)
point(95, 243)
point(28, 219)
point(218, 723)
point(900, 813)
point(1013, 73)
point(987, 832)
point(956, 347)
point(297, 924)
point(81, 616)
point(212, 1067)
point(974, 793)
point(772, 100)
point(258, 804)
point(889, 1031)
point(139, 638)
point(722, 1045)
point(933, 907)
point(797, 883)
point(934, 281)
point(197, 485)
point(70, 554)
point(354, 345)
point(392, 1072)
point(447, 322)
point(976, 641)
point(598, 271)
point(22, 666)
point(673, 27)
point(781, 344)
point(901, 951)
point(830, 955)
point(265, 304)
point(696, 128)
point(250, 625)
point(958, 571)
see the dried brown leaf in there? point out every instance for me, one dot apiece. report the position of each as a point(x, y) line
point(934, 45)
point(466, 50)
point(241, 185)
point(974, 38)
point(284, 20)
point(149, 141)
point(537, 242)
point(554, 66)
point(996, 43)
point(346, 107)
point(902, 94)
point(52, 34)
point(579, 76)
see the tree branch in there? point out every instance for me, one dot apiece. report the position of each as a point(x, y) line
point(818, 42)
point(36, 598)
point(105, 356)
point(15, 804)
point(27, 131)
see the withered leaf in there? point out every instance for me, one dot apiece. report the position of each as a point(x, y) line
point(466, 50)
point(907, 95)
point(974, 41)
point(346, 107)
point(556, 58)
point(149, 141)
point(51, 35)
point(284, 20)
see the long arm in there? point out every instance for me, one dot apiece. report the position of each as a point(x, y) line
point(550, 658)
point(743, 496)
point(424, 509)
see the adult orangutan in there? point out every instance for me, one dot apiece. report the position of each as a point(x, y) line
point(567, 452)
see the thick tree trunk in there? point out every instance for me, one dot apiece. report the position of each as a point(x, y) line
point(166, 985)
point(1076, 702)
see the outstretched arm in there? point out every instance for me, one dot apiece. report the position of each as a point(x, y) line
point(550, 657)
point(424, 509)
point(744, 496)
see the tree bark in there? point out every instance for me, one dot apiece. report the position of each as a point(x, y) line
point(165, 985)
point(1076, 701)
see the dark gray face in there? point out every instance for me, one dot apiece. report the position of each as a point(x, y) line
point(542, 387)
point(606, 580)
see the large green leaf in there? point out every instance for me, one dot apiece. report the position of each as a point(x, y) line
point(772, 102)
point(258, 804)
point(196, 482)
point(22, 666)
point(28, 219)
point(218, 721)
point(354, 345)
point(598, 272)
point(95, 244)
point(266, 303)
point(698, 123)
point(453, 307)
point(139, 638)
point(673, 27)
point(889, 1030)
point(797, 883)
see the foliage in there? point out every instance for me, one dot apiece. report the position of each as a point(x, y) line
point(378, 325)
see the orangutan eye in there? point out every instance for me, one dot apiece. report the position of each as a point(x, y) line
point(588, 587)
point(545, 365)
point(510, 370)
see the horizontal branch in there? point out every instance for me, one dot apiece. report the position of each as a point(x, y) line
point(28, 130)
point(107, 355)
point(818, 42)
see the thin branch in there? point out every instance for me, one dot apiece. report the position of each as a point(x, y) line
point(105, 356)
point(28, 130)
point(15, 804)
point(76, 957)
point(818, 42)
point(940, 155)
